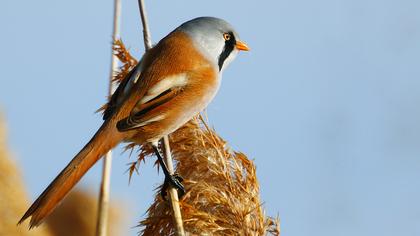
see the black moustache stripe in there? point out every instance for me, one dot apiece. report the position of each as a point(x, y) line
point(227, 50)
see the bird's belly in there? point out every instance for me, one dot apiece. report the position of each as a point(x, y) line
point(182, 109)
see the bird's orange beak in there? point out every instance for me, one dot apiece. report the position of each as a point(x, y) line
point(241, 46)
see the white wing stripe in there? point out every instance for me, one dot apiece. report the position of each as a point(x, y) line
point(178, 80)
point(153, 119)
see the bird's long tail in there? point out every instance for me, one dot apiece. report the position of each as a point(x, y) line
point(105, 138)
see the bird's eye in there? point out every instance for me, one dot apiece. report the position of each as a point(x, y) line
point(226, 36)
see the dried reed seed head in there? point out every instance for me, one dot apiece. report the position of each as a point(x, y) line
point(222, 189)
point(128, 62)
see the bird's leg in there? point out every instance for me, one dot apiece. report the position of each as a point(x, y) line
point(174, 180)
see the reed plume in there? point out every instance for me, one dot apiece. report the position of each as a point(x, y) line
point(222, 189)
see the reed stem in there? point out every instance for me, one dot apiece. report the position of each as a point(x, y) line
point(103, 204)
point(173, 193)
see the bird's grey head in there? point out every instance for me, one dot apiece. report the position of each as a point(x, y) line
point(215, 38)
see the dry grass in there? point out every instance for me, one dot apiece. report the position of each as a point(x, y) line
point(222, 189)
point(128, 61)
point(75, 216)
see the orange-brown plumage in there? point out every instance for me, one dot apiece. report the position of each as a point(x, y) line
point(192, 98)
point(174, 81)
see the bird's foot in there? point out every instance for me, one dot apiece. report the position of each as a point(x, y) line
point(175, 181)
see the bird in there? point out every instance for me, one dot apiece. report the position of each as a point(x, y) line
point(173, 82)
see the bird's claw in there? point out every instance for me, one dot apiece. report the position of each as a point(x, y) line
point(175, 181)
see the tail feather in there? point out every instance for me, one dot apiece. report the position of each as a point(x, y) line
point(101, 143)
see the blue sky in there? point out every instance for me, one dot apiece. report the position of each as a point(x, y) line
point(326, 103)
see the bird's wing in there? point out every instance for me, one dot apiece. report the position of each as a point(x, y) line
point(165, 71)
point(156, 96)
point(122, 90)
